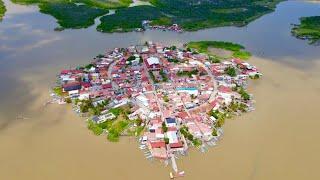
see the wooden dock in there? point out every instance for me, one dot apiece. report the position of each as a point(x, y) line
point(174, 164)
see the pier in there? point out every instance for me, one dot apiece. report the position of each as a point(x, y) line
point(174, 164)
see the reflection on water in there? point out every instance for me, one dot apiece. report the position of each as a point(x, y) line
point(268, 37)
point(28, 44)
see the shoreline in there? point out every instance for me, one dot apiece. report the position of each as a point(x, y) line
point(130, 92)
point(65, 19)
point(249, 134)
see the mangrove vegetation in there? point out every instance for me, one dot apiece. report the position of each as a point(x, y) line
point(76, 13)
point(189, 14)
point(70, 15)
point(125, 20)
point(309, 28)
point(199, 14)
point(2, 9)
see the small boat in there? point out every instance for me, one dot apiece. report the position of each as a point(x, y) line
point(61, 101)
point(148, 157)
point(171, 175)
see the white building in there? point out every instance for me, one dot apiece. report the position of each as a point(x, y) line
point(153, 61)
point(142, 100)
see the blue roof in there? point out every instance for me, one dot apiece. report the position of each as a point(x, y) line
point(95, 119)
point(170, 120)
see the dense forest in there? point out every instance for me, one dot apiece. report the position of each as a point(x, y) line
point(193, 14)
point(106, 4)
point(189, 14)
point(128, 19)
point(2, 9)
point(70, 15)
point(309, 28)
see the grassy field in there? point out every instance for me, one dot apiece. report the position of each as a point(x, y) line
point(121, 125)
point(236, 49)
point(309, 28)
point(2, 9)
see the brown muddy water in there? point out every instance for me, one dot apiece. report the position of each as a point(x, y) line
point(279, 140)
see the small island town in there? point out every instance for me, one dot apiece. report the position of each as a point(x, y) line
point(169, 98)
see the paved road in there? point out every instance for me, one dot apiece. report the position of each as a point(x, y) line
point(114, 85)
point(154, 90)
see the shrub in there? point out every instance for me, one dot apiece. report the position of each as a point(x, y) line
point(166, 140)
point(164, 127)
point(94, 128)
point(214, 132)
point(244, 94)
point(231, 71)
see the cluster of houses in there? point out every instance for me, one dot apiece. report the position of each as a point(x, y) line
point(146, 24)
point(170, 89)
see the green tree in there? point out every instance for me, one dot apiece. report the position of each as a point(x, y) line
point(166, 140)
point(244, 94)
point(231, 71)
point(164, 127)
point(214, 132)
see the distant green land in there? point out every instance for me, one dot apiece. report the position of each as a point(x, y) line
point(2, 9)
point(128, 19)
point(309, 28)
point(76, 13)
point(236, 49)
point(105, 4)
point(189, 14)
point(199, 14)
point(70, 15)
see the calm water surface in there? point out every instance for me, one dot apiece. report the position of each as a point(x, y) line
point(28, 43)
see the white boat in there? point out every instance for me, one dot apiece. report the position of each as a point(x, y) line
point(148, 157)
point(61, 102)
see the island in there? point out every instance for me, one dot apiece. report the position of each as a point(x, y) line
point(2, 9)
point(170, 98)
point(309, 28)
point(177, 15)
